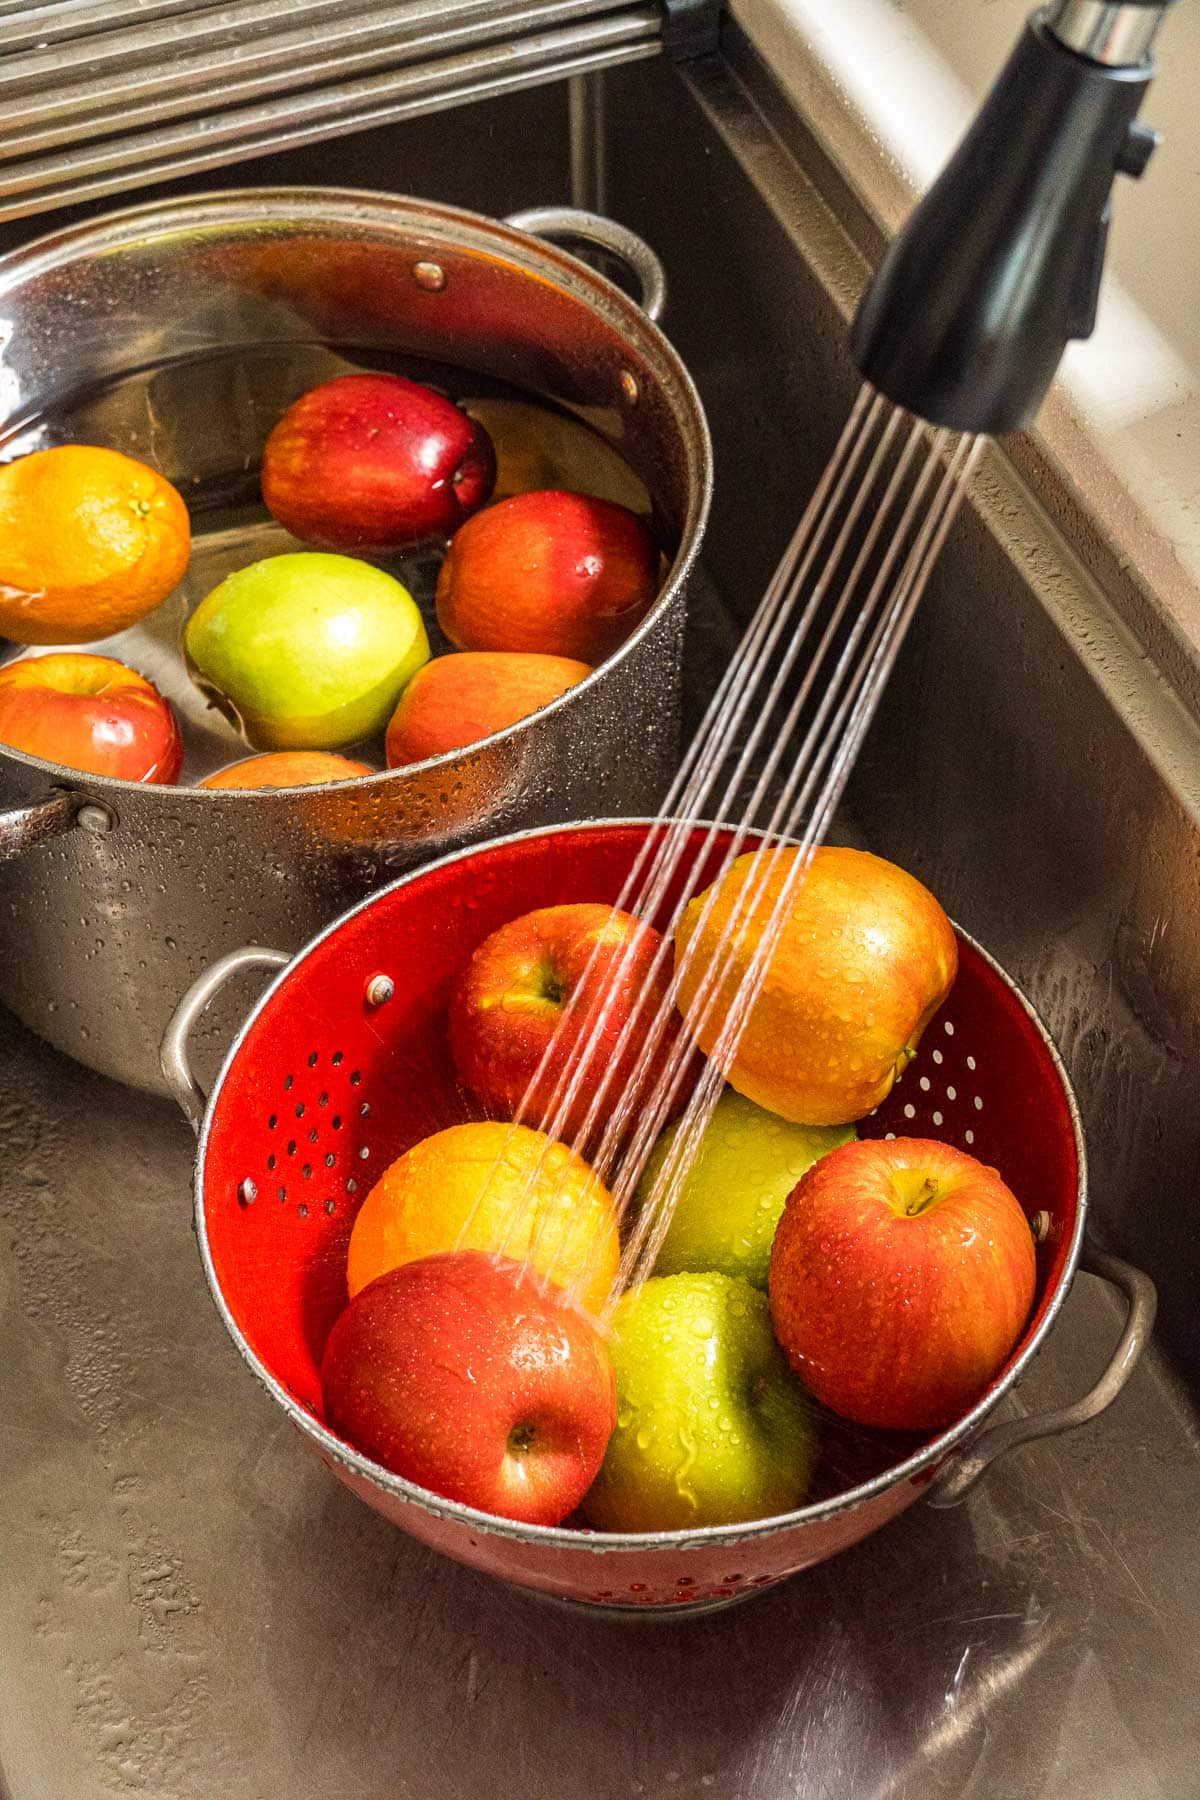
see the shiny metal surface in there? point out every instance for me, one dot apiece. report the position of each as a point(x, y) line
point(103, 933)
point(193, 1610)
point(1107, 31)
point(175, 1049)
point(572, 225)
point(22, 828)
point(955, 1482)
point(197, 90)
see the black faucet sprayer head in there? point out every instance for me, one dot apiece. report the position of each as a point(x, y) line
point(999, 266)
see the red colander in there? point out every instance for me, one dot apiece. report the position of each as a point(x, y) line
point(343, 1064)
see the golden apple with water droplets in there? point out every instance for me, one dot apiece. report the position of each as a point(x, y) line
point(865, 958)
point(712, 1427)
point(731, 1198)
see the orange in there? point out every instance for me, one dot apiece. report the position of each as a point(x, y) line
point(90, 542)
point(433, 1199)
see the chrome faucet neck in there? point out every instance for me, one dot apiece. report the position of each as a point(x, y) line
point(1117, 33)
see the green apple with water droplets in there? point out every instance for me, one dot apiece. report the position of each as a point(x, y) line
point(733, 1195)
point(712, 1427)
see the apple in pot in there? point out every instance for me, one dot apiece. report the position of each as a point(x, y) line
point(306, 651)
point(551, 978)
point(91, 713)
point(712, 1428)
point(287, 769)
point(457, 700)
point(375, 463)
point(559, 573)
point(902, 1275)
point(463, 1373)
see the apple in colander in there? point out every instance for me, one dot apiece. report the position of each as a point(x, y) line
point(542, 986)
point(902, 1274)
point(465, 1374)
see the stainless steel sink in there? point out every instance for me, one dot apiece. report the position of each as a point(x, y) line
point(191, 1608)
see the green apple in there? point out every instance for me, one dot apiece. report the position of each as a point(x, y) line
point(733, 1195)
point(712, 1427)
point(310, 651)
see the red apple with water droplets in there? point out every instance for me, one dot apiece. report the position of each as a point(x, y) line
point(90, 713)
point(902, 1275)
point(555, 572)
point(465, 1374)
point(457, 700)
point(552, 977)
point(376, 464)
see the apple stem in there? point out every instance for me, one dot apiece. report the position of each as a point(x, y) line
point(927, 1194)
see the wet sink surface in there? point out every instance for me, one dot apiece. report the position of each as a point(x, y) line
point(193, 1608)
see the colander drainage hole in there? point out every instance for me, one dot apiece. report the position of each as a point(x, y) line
point(330, 1159)
point(302, 1211)
point(952, 1093)
point(355, 1077)
point(322, 1099)
point(291, 1149)
point(306, 1171)
point(313, 1135)
point(969, 1136)
point(364, 1151)
point(287, 1083)
point(271, 1160)
point(948, 1028)
point(273, 1121)
point(336, 1121)
point(312, 1059)
point(352, 1186)
point(281, 1194)
point(364, 1111)
point(300, 1109)
point(338, 1059)
point(331, 1207)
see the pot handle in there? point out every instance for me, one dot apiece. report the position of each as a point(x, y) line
point(173, 1051)
point(593, 228)
point(958, 1476)
point(23, 827)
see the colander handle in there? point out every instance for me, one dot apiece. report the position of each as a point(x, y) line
point(173, 1051)
point(959, 1475)
point(593, 228)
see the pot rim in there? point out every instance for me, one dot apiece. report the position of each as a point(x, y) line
point(354, 1463)
point(135, 225)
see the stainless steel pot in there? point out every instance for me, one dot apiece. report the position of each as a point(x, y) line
point(178, 333)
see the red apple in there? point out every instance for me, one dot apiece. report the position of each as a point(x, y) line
point(560, 573)
point(91, 713)
point(547, 975)
point(286, 769)
point(902, 1274)
point(456, 700)
point(375, 463)
point(464, 1374)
